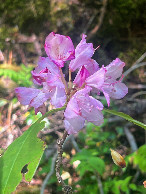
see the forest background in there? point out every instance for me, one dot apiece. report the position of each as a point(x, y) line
point(118, 27)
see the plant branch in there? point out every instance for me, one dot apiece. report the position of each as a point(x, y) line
point(64, 81)
point(137, 65)
point(101, 17)
point(49, 174)
point(66, 188)
point(130, 139)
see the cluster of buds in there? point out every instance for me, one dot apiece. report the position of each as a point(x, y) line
point(90, 77)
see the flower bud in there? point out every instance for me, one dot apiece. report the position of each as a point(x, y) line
point(144, 183)
point(118, 159)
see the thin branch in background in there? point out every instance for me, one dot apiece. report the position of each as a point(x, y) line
point(140, 59)
point(136, 86)
point(130, 139)
point(134, 147)
point(21, 53)
point(100, 186)
point(136, 65)
point(138, 94)
point(49, 174)
point(90, 22)
point(101, 17)
point(74, 143)
point(133, 68)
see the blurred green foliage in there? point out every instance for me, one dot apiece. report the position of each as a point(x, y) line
point(95, 162)
point(21, 76)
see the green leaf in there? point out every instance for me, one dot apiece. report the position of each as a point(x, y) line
point(140, 158)
point(125, 116)
point(125, 184)
point(25, 150)
point(97, 164)
point(83, 155)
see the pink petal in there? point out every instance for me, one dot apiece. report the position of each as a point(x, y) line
point(118, 91)
point(81, 76)
point(46, 62)
point(73, 125)
point(83, 53)
point(107, 97)
point(85, 71)
point(54, 81)
point(58, 98)
point(115, 69)
point(59, 48)
point(84, 47)
point(96, 103)
point(40, 99)
point(25, 95)
point(92, 66)
point(72, 109)
point(45, 69)
point(97, 79)
point(90, 109)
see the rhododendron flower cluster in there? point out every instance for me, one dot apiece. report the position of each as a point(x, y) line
point(90, 77)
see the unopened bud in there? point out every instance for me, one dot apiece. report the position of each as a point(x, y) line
point(144, 183)
point(118, 159)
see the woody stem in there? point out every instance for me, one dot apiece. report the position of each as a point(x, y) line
point(66, 188)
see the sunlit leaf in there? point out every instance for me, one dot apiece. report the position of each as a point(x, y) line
point(127, 117)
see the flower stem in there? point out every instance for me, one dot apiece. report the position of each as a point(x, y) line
point(64, 81)
point(70, 83)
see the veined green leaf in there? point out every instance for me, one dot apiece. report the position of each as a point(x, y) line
point(125, 116)
point(25, 150)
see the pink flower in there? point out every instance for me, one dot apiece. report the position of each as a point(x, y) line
point(82, 107)
point(83, 53)
point(32, 97)
point(47, 71)
point(59, 48)
point(85, 71)
point(105, 80)
point(46, 74)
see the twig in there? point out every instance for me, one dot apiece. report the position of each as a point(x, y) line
point(138, 94)
point(99, 183)
point(49, 174)
point(66, 188)
point(140, 59)
point(90, 22)
point(136, 86)
point(133, 68)
point(101, 16)
point(74, 143)
point(130, 139)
